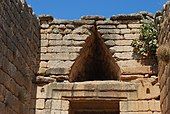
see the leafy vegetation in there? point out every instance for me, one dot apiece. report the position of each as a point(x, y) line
point(147, 45)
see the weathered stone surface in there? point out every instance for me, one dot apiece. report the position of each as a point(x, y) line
point(126, 17)
point(106, 26)
point(81, 30)
point(129, 63)
point(109, 31)
point(137, 70)
point(57, 71)
point(134, 25)
point(59, 63)
point(122, 26)
point(112, 36)
point(75, 37)
point(132, 36)
point(122, 48)
point(95, 17)
point(54, 36)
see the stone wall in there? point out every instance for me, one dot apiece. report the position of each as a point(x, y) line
point(64, 42)
point(70, 48)
point(19, 57)
point(164, 59)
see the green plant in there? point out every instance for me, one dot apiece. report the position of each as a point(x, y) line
point(146, 45)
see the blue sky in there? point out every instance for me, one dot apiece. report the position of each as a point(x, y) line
point(74, 9)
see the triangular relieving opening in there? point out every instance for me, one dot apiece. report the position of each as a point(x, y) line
point(94, 63)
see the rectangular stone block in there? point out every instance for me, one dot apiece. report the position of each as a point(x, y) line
point(109, 31)
point(129, 63)
point(134, 25)
point(44, 43)
point(143, 106)
point(122, 49)
point(132, 36)
point(40, 103)
point(124, 55)
point(106, 26)
point(122, 26)
point(75, 37)
point(54, 36)
point(112, 36)
point(137, 70)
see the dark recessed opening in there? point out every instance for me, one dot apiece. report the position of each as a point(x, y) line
point(94, 63)
point(94, 107)
point(148, 91)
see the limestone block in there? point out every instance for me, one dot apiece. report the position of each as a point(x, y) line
point(60, 56)
point(60, 49)
point(106, 26)
point(110, 43)
point(132, 95)
point(129, 63)
point(132, 36)
point(81, 30)
point(60, 42)
point(64, 112)
point(122, 26)
point(112, 36)
point(39, 111)
point(65, 105)
point(44, 26)
point(134, 25)
point(134, 31)
point(136, 70)
point(40, 103)
point(122, 48)
point(133, 106)
point(154, 105)
point(75, 37)
point(123, 106)
point(48, 104)
point(61, 64)
point(44, 49)
point(125, 31)
point(42, 70)
point(123, 42)
point(57, 95)
point(130, 77)
point(55, 112)
point(109, 31)
point(74, 49)
point(143, 106)
point(43, 64)
point(78, 43)
point(46, 56)
point(54, 36)
point(56, 104)
point(124, 55)
point(56, 71)
point(41, 92)
point(70, 26)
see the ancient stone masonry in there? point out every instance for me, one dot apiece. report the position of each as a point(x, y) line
point(164, 59)
point(62, 41)
point(86, 66)
point(19, 57)
point(94, 49)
